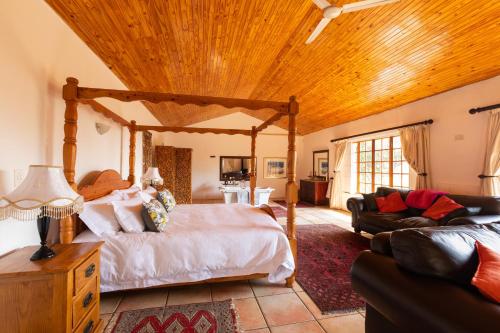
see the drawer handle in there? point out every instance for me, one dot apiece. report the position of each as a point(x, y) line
point(90, 270)
point(88, 299)
point(88, 328)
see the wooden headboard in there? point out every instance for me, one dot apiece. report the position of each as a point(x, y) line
point(94, 185)
point(97, 184)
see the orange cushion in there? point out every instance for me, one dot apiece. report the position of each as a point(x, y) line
point(391, 204)
point(442, 207)
point(487, 277)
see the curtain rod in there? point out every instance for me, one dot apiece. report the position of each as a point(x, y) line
point(425, 122)
point(484, 108)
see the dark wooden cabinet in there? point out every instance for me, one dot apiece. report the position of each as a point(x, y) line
point(314, 191)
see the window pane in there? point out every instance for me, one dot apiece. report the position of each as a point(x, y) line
point(406, 167)
point(396, 167)
point(362, 167)
point(368, 145)
point(362, 146)
point(362, 188)
point(368, 178)
point(361, 157)
point(385, 180)
point(362, 178)
point(385, 143)
point(378, 155)
point(396, 180)
point(368, 167)
point(385, 167)
point(406, 181)
point(396, 142)
point(378, 144)
point(385, 155)
point(378, 178)
point(368, 156)
point(396, 154)
point(378, 167)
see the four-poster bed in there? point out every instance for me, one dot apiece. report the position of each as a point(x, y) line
point(73, 94)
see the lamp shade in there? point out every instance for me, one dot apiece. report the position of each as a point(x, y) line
point(152, 175)
point(43, 193)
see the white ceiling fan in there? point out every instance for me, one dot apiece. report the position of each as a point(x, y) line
point(330, 12)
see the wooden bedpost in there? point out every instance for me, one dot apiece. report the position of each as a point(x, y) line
point(253, 178)
point(291, 186)
point(131, 155)
point(70, 95)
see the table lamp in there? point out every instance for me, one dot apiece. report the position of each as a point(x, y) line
point(152, 177)
point(43, 194)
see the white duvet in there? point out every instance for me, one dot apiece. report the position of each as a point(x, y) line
point(201, 242)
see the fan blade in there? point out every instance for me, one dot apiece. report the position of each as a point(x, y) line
point(321, 25)
point(352, 7)
point(322, 4)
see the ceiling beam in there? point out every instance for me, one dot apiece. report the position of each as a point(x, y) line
point(99, 108)
point(270, 121)
point(155, 97)
point(193, 130)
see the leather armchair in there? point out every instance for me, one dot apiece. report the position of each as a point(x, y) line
point(356, 207)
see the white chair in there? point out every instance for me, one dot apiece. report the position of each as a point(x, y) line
point(262, 195)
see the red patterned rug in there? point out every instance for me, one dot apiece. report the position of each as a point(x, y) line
point(325, 255)
point(213, 317)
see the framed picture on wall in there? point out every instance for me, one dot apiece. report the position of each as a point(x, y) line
point(274, 167)
point(323, 167)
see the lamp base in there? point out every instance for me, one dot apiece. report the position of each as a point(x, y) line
point(43, 252)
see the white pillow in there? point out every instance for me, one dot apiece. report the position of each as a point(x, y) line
point(100, 218)
point(107, 198)
point(128, 214)
point(127, 192)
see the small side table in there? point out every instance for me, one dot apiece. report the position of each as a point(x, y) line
point(59, 294)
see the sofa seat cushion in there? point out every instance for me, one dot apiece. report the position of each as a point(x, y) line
point(394, 221)
point(444, 252)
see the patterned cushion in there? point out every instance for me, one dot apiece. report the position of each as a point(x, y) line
point(167, 199)
point(155, 216)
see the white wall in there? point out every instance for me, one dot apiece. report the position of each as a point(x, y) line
point(457, 138)
point(38, 51)
point(205, 170)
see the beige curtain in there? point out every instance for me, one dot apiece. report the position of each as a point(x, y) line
point(415, 143)
point(490, 179)
point(335, 185)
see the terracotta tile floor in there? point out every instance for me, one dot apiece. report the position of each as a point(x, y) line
point(262, 307)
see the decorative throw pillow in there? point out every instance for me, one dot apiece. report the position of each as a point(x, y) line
point(392, 203)
point(422, 199)
point(442, 207)
point(370, 203)
point(167, 199)
point(462, 212)
point(487, 277)
point(155, 216)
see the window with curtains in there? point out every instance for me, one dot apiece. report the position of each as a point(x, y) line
point(379, 162)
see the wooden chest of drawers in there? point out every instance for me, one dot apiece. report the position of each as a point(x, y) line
point(60, 294)
point(314, 191)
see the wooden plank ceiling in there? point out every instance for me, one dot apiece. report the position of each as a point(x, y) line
point(363, 63)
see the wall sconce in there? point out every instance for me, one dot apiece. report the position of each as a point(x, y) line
point(102, 128)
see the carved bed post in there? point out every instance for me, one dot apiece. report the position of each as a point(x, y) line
point(70, 96)
point(131, 156)
point(253, 179)
point(291, 186)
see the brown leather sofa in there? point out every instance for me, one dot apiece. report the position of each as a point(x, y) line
point(418, 280)
point(478, 210)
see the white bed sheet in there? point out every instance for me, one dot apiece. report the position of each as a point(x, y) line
point(203, 241)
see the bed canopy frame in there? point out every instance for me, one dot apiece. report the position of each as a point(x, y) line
point(73, 94)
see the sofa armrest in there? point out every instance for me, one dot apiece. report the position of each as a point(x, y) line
point(356, 206)
point(417, 303)
point(477, 219)
point(381, 243)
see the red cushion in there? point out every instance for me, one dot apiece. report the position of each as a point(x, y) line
point(487, 277)
point(391, 204)
point(422, 199)
point(442, 207)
